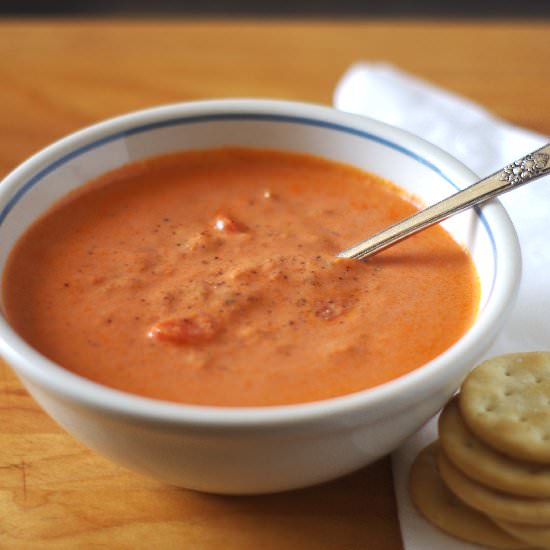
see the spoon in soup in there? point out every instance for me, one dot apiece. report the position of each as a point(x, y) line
point(529, 168)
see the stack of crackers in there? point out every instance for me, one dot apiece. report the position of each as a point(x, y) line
point(487, 479)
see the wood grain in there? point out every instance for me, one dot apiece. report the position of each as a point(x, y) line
point(58, 76)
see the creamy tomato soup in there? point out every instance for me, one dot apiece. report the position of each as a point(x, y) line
point(210, 278)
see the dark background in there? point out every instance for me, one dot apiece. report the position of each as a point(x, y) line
point(531, 9)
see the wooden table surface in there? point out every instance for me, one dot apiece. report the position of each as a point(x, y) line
point(57, 76)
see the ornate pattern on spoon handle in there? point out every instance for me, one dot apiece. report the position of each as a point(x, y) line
point(531, 166)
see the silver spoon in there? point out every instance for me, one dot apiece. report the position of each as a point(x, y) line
point(529, 168)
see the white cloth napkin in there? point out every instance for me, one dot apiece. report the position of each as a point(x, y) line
point(485, 144)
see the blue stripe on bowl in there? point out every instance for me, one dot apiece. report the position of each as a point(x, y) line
point(30, 183)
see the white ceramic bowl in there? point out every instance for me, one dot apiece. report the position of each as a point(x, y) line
point(255, 450)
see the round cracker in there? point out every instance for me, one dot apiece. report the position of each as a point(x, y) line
point(482, 463)
point(441, 508)
point(538, 536)
point(496, 504)
point(506, 403)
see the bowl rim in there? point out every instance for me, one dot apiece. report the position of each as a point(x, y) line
point(42, 372)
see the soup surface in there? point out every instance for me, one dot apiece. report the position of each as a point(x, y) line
point(210, 277)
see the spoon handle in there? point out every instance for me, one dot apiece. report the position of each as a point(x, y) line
point(522, 171)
